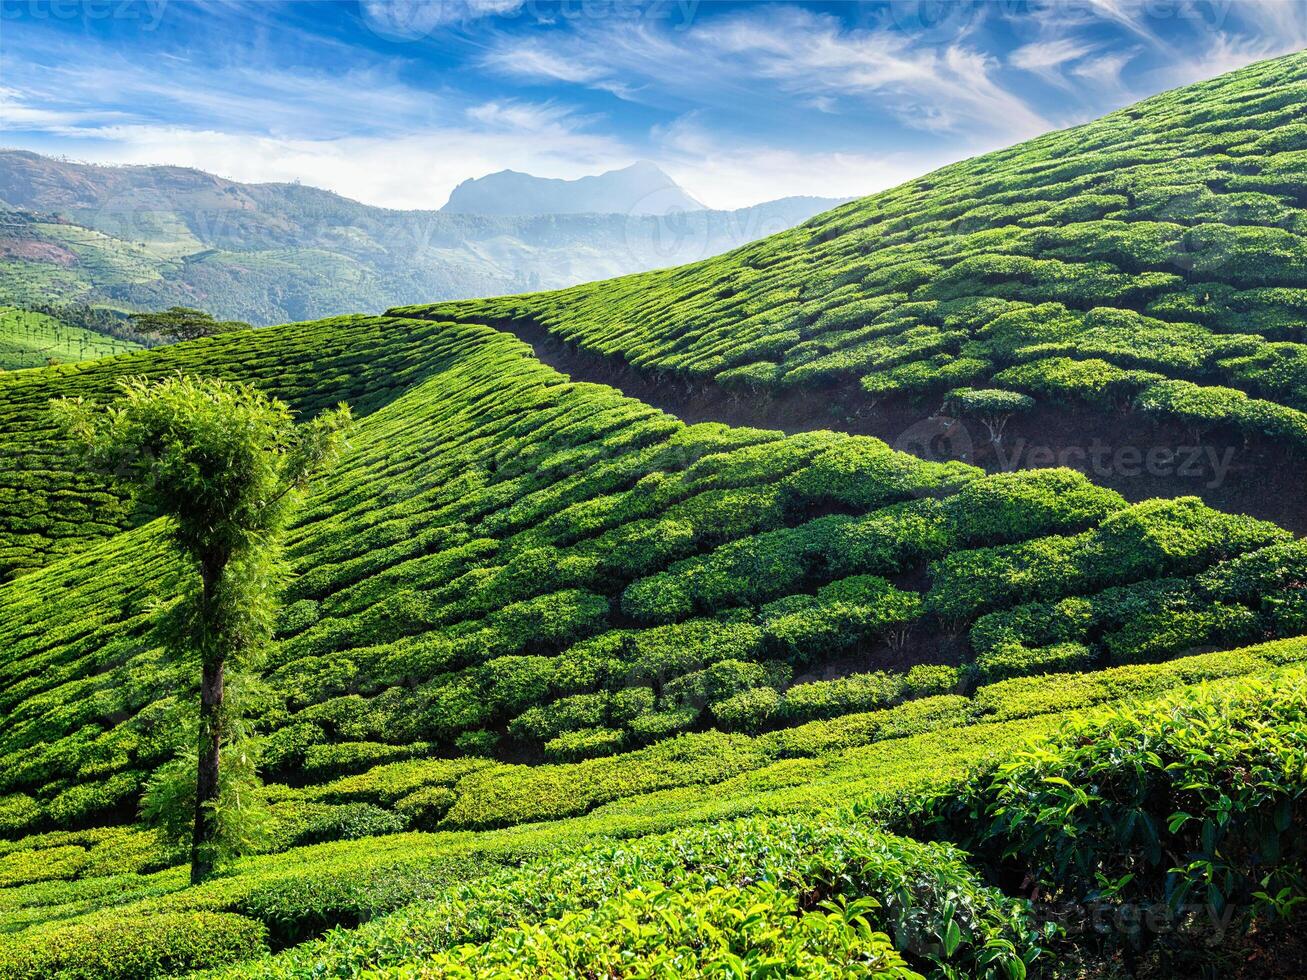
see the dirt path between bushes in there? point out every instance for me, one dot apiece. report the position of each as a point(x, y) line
point(1131, 453)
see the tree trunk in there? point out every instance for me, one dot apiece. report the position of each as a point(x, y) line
point(210, 739)
point(206, 782)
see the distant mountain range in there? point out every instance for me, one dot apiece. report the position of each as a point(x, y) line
point(151, 237)
point(642, 188)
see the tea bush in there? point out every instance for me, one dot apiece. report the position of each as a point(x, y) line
point(1185, 804)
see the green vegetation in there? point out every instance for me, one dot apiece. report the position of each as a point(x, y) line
point(224, 464)
point(510, 560)
point(562, 684)
point(1154, 257)
point(29, 339)
point(147, 238)
point(183, 323)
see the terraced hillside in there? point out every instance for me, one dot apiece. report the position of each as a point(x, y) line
point(522, 599)
point(513, 565)
point(51, 505)
point(1142, 277)
point(566, 686)
point(30, 339)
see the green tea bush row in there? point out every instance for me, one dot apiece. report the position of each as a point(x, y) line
point(1189, 802)
point(126, 948)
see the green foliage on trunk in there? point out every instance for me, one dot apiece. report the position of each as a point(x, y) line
point(223, 463)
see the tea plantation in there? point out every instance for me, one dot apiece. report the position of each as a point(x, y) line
point(563, 686)
point(30, 339)
point(1154, 260)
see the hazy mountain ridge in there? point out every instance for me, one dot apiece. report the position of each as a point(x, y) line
point(642, 188)
point(265, 253)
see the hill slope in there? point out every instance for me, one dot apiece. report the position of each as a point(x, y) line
point(507, 558)
point(1144, 271)
point(529, 612)
point(34, 340)
point(152, 237)
point(522, 599)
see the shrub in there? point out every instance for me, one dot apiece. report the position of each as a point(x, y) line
point(747, 711)
point(311, 823)
point(133, 948)
point(924, 680)
point(18, 813)
point(1013, 660)
point(1012, 506)
point(629, 703)
point(584, 743)
point(828, 699)
point(477, 742)
point(288, 746)
point(426, 807)
point(844, 614)
point(865, 473)
point(848, 731)
point(1193, 800)
point(385, 784)
point(507, 795)
point(340, 758)
point(654, 726)
point(635, 934)
point(548, 721)
point(722, 680)
point(992, 406)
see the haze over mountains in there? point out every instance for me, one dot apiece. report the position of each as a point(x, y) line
point(642, 188)
point(151, 237)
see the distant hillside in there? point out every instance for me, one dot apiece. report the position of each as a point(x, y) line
point(30, 339)
point(641, 188)
point(151, 237)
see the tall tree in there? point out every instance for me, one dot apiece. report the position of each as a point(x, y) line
point(224, 462)
point(183, 323)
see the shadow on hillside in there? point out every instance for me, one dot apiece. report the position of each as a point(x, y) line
point(1132, 453)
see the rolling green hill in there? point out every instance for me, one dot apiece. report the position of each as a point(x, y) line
point(1145, 270)
point(566, 686)
point(30, 339)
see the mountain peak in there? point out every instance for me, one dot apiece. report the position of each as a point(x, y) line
point(641, 188)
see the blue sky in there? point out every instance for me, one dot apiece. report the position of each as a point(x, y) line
point(393, 103)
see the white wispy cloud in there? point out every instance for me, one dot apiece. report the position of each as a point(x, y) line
point(728, 173)
point(741, 105)
point(1235, 35)
point(411, 20)
point(808, 58)
point(416, 170)
point(1046, 57)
